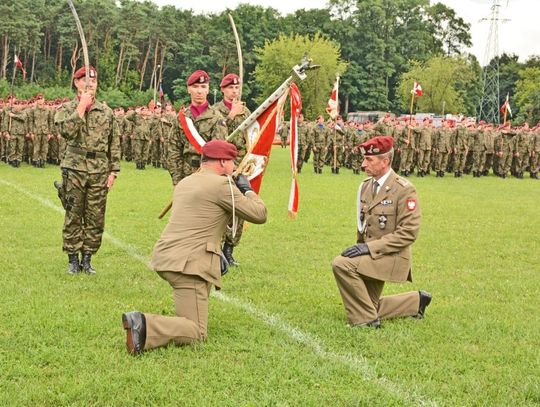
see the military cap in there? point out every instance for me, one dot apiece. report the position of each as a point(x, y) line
point(377, 146)
point(79, 73)
point(219, 150)
point(199, 76)
point(229, 79)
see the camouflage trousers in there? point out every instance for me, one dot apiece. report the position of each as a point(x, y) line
point(234, 241)
point(407, 155)
point(16, 145)
point(535, 163)
point(140, 150)
point(488, 162)
point(504, 163)
point(318, 157)
point(479, 157)
point(41, 147)
point(522, 161)
point(441, 161)
point(127, 148)
point(459, 160)
point(85, 216)
point(423, 160)
point(190, 164)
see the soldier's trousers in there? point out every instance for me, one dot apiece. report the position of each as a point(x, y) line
point(424, 158)
point(478, 160)
point(16, 145)
point(41, 147)
point(505, 162)
point(488, 161)
point(318, 158)
point(441, 162)
point(53, 150)
point(522, 161)
point(156, 151)
point(459, 160)
point(140, 150)
point(535, 163)
point(356, 161)
point(4, 148)
point(84, 221)
point(234, 241)
point(127, 148)
point(361, 295)
point(406, 159)
point(190, 324)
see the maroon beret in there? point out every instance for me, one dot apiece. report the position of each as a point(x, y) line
point(219, 150)
point(229, 79)
point(198, 76)
point(377, 145)
point(79, 73)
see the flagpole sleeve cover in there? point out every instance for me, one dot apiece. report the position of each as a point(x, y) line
point(79, 73)
point(229, 79)
point(219, 150)
point(377, 146)
point(199, 76)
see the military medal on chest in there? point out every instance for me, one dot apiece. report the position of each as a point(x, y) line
point(382, 222)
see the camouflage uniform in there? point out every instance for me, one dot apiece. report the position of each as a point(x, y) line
point(460, 150)
point(407, 151)
point(141, 138)
point(17, 131)
point(522, 151)
point(183, 158)
point(356, 155)
point(443, 147)
point(504, 147)
point(92, 154)
point(156, 134)
point(535, 153)
point(42, 130)
point(489, 143)
point(423, 147)
point(241, 142)
point(478, 147)
point(127, 138)
point(319, 140)
point(303, 133)
point(284, 133)
point(3, 130)
point(336, 148)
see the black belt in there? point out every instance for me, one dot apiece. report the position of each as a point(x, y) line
point(87, 154)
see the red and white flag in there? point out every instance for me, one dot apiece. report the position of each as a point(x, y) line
point(506, 106)
point(19, 65)
point(296, 108)
point(332, 107)
point(261, 136)
point(417, 90)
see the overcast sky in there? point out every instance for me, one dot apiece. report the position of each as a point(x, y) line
point(520, 35)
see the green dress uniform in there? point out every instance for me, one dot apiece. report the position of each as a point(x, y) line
point(92, 154)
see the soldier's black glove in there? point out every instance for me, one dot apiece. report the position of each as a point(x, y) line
point(359, 249)
point(224, 265)
point(243, 184)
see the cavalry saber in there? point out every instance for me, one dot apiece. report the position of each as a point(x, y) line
point(83, 41)
point(298, 72)
point(240, 58)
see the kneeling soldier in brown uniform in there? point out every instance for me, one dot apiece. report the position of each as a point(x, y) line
point(188, 254)
point(388, 224)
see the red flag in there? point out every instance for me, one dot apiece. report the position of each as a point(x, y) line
point(261, 135)
point(20, 65)
point(506, 106)
point(332, 107)
point(417, 90)
point(296, 107)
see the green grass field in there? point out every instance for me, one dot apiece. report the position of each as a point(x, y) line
point(277, 331)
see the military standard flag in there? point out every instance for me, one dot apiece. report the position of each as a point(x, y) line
point(332, 107)
point(417, 90)
point(506, 106)
point(296, 108)
point(19, 65)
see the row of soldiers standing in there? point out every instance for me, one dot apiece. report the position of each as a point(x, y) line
point(28, 133)
point(455, 147)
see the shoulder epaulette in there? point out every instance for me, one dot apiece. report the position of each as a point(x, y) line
point(402, 181)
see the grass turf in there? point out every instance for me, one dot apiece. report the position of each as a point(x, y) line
point(277, 331)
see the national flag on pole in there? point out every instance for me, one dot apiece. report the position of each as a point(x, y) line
point(161, 93)
point(332, 107)
point(19, 65)
point(506, 106)
point(417, 90)
point(261, 136)
point(296, 108)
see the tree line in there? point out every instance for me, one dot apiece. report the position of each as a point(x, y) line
point(136, 45)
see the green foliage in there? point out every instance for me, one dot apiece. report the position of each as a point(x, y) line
point(444, 80)
point(279, 56)
point(277, 330)
point(528, 95)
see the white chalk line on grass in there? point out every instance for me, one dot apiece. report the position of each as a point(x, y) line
point(357, 363)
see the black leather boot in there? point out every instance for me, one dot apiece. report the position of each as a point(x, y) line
point(73, 264)
point(86, 265)
point(227, 252)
